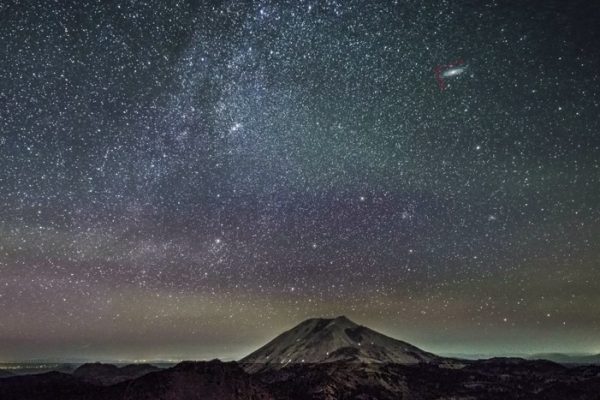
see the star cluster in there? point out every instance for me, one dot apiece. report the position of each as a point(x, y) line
point(185, 179)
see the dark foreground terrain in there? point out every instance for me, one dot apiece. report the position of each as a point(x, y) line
point(320, 358)
point(489, 379)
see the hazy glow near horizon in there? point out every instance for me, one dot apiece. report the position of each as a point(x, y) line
point(187, 181)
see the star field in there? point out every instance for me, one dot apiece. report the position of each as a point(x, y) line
point(186, 179)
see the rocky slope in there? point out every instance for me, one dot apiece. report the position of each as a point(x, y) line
point(320, 340)
point(212, 380)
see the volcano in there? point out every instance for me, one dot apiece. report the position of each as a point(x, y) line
point(321, 340)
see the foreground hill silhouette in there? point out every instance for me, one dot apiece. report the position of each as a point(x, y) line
point(213, 380)
point(4, 374)
point(324, 359)
point(108, 374)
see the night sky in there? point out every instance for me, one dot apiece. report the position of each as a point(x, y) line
point(185, 180)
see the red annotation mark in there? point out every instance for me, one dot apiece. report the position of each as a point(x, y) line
point(439, 71)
